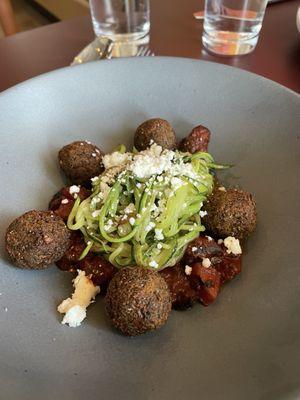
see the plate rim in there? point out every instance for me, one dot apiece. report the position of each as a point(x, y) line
point(154, 59)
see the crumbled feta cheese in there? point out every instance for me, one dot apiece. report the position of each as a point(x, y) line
point(220, 241)
point(153, 207)
point(206, 262)
point(194, 249)
point(169, 192)
point(158, 234)
point(209, 238)
point(64, 201)
point(162, 204)
point(96, 199)
point(160, 178)
point(132, 221)
point(222, 189)
point(115, 159)
point(96, 213)
point(152, 161)
point(159, 246)
point(182, 168)
point(105, 189)
point(130, 209)
point(233, 245)
point(74, 189)
point(138, 185)
point(188, 270)
point(202, 213)
point(95, 179)
point(75, 307)
point(94, 155)
point(153, 264)
point(177, 183)
point(149, 226)
point(74, 316)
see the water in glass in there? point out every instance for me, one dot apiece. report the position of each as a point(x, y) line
point(232, 27)
point(121, 20)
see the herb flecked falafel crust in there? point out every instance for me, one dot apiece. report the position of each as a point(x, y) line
point(155, 130)
point(230, 212)
point(80, 161)
point(37, 239)
point(137, 301)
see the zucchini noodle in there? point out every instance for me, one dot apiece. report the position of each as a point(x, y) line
point(145, 220)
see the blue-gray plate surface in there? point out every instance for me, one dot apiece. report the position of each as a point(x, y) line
point(244, 346)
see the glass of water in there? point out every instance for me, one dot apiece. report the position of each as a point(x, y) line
point(121, 20)
point(231, 27)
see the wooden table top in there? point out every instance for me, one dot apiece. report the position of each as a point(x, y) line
point(174, 32)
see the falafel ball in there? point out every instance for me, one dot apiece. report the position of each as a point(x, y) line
point(37, 239)
point(157, 130)
point(137, 300)
point(230, 212)
point(80, 161)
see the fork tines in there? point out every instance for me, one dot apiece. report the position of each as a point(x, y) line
point(144, 51)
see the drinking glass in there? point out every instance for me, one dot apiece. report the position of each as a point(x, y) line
point(121, 20)
point(231, 27)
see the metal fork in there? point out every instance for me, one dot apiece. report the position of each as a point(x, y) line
point(144, 51)
point(103, 48)
point(99, 49)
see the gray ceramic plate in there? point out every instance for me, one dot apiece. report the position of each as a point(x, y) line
point(247, 344)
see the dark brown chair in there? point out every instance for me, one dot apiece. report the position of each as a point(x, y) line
point(7, 18)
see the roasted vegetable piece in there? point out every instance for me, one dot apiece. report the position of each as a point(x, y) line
point(62, 202)
point(182, 293)
point(206, 282)
point(197, 140)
